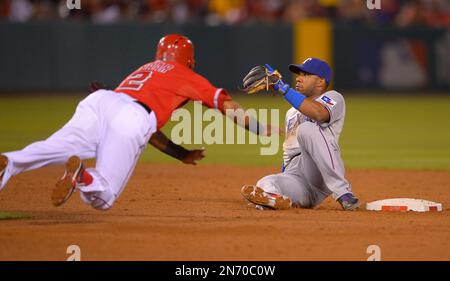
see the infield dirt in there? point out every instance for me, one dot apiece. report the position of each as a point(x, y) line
point(179, 212)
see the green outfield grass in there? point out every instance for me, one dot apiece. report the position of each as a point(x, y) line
point(13, 216)
point(380, 131)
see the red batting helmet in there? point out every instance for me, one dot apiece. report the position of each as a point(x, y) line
point(176, 48)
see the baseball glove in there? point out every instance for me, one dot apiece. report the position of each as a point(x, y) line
point(260, 78)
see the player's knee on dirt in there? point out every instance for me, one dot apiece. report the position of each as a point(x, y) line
point(287, 185)
point(268, 185)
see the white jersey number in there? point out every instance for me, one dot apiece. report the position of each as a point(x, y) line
point(135, 81)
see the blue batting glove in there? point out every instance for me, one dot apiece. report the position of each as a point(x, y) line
point(271, 70)
point(280, 85)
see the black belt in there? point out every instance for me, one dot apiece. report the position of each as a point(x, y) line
point(144, 106)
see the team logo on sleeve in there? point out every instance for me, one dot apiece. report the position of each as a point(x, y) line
point(328, 101)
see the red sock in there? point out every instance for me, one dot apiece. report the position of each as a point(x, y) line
point(86, 178)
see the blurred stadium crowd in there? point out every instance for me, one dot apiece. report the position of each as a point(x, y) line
point(431, 13)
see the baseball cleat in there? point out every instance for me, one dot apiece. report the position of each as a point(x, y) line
point(65, 187)
point(259, 197)
point(3, 164)
point(349, 202)
point(258, 207)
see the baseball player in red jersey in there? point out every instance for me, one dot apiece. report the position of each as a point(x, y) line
point(115, 126)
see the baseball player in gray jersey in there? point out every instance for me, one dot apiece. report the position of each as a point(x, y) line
point(312, 165)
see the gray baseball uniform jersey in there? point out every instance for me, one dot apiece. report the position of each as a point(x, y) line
point(311, 156)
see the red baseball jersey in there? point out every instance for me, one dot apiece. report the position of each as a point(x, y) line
point(166, 86)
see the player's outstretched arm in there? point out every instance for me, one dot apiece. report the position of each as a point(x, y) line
point(165, 145)
point(236, 112)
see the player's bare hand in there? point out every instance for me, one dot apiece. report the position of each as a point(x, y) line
point(193, 156)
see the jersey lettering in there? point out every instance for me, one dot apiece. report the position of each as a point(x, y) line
point(158, 66)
